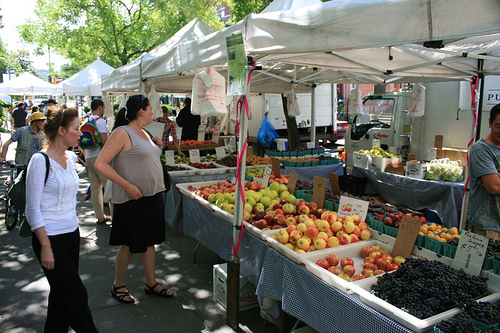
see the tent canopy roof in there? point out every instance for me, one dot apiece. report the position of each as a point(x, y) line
point(26, 84)
point(86, 82)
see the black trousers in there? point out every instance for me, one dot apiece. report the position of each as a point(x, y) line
point(68, 299)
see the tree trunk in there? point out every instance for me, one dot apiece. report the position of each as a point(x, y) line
point(291, 127)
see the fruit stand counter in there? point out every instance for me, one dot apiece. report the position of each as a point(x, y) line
point(308, 173)
point(200, 147)
point(298, 292)
point(173, 198)
point(444, 198)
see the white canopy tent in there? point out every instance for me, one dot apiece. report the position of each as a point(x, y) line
point(86, 82)
point(27, 84)
point(128, 78)
point(347, 41)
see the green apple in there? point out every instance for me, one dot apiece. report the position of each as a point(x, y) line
point(282, 188)
point(229, 208)
point(291, 198)
point(218, 195)
point(274, 186)
point(266, 201)
point(231, 198)
point(211, 198)
point(224, 205)
point(257, 196)
point(248, 207)
point(251, 200)
point(284, 194)
point(220, 201)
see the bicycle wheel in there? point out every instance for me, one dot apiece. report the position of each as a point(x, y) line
point(11, 215)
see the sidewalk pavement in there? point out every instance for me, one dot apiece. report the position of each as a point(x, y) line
point(24, 288)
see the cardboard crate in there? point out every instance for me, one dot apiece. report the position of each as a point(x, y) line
point(438, 141)
point(248, 299)
point(397, 168)
point(415, 169)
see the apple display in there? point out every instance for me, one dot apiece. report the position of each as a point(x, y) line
point(346, 261)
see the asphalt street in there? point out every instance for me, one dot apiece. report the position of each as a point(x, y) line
point(24, 288)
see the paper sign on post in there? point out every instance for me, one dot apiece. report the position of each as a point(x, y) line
point(292, 182)
point(220, 152)
point(216, 134)
point(194, 155)
point(319, 191)
point(407, 235)
point(280, 145)
point(471, 252)
point(178, 131)
point(201, 132)
point(276, 166)
point(264, 181)
point(334, 183)
point(351, 206)
point(169, 157)
point(310, 145)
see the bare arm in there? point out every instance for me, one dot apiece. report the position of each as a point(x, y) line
point(104, 138)
point(491, 183)
point(118, 141)
point(5, 148)
point(46, 254)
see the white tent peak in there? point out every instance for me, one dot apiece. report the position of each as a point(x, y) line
point(279, 5)
point(27, 84)
point(86, 82)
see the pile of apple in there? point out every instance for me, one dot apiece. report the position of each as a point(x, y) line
point(376, 261)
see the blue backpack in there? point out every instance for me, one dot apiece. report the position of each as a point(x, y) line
point(90, 138)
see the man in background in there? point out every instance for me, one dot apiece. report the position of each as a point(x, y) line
point(97, 180)
point(484, 205)
point(19, 116)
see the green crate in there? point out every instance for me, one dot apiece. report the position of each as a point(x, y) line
point(449, 250)
point(293, 153)
point(488, 262)
point(308, 197)
point(496, 266)
point(302, 152)
point(307, 163)
point(433, 245)
point(314, 163)
point(334, 161)
point(329, 205)
point(375, 224)
point(323, 162)
point(299, 194)
point(420, 241)
point(299, 164)
point(390, 231)
point(483, 327)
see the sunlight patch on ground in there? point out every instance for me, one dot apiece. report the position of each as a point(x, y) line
point(170, 255)
point(39, 285)
point(200, 293)
point(174, 278)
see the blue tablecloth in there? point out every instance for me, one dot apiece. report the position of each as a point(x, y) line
point(299, 292)
point(444, 198)
point(173, 199)
point(308, 173)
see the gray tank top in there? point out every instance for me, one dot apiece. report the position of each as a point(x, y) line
point(140, 165)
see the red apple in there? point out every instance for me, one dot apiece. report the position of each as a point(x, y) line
point(311, 232)
point(365, 234)
point(365, 250)
point(299, 203)
point(277, 226)
point(349, 270)
point(290, 220)
point(392, 267)
point(378, 271)
point(369, 260)
point(279, 211)
point(354, 238)
point(382, 263)
point(335, 270)
point(363, 225)
point(279, 219)
point(312, 207)
point(346, 261)
point(336, 226)
point(269, 218)
point(333, 259)
point(344, 239)
point(367, 272)
point(304, 209)
point(345, 277)
point(313, 217)
point(357, 277)
point(357, 232)
point(369, 266)
point(261, 224)
point(277, 206)
point(323, 263)
point(291, 228)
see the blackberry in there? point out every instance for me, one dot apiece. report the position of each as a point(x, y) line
point(460, 323)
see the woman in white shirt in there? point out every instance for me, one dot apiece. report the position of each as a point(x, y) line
point(51, 213)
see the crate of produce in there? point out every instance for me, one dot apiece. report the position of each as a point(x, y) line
point(208, 168)
point(449, 250)
point(352, 251)
point(420, 241)
point(375, 224)
point(417, 316)
point(488, 262)
point(330, 205)
point(496, 266)
point(391, 231)
point(308, 197)
point(433, 245)
point(181, 170)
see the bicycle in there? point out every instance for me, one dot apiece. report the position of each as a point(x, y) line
point(12, 215)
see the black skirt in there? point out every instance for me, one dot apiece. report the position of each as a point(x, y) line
point(139, 223)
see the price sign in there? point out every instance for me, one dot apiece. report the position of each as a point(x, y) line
point(351, 206)
point(471, 252)
point(264, 181)
point(201, 132)
point(169, 157)
point(310, 145)
point(334, 183)
point(276, 166)
point(194, 155)
point(407, 235)
point(292, 182)
point(216, 134)
point(221, 152)
point(281, 145)
point(178, 131)
point(319, 191)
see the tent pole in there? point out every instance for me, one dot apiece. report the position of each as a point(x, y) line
point(313, 114)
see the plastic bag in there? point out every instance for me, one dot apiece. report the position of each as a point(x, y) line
point(267, 133)
point(417, 101)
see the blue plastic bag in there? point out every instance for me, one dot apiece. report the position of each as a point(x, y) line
point(267, 133)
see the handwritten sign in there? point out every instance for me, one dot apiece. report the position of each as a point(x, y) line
point(201, 132)
point(264, 181)
point(319, 191)
point(351, 206)
point(334, 183)
point(178, 131)
point(216, 134)
point(169, 157)
point(292, 182)
point(194, 155)
point(310, 145)
point(276, 166)
point(471, 252)
point(407, 235)
point(220, 152)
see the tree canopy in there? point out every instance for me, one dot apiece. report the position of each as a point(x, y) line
point(117, 31)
